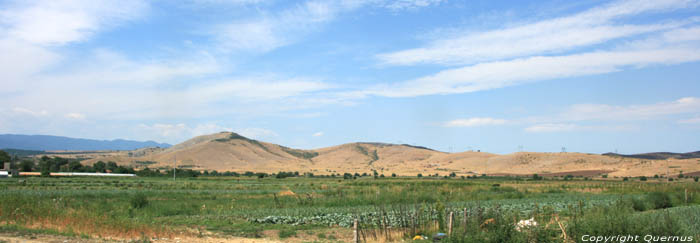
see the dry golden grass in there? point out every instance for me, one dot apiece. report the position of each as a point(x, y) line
point(240, 155)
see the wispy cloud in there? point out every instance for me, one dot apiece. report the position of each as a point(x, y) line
point(26, 111)
point(64, 21)
point(476, 121)
point(491, 75)
point(694, 120)
point(551, 127)
point(549, 36)
point(75, 116)
point(603, 117)
point(178, 132)
point(589, 112)
point(318, 134)
point(274, 30)
point(411, 4)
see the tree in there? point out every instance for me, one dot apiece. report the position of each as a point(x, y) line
point(4, 157)
point(99, 166)
point(26, 165)
point(420, 175)
point(111, 166)
point(74, 166)
point(45, 166)
point(393, 174)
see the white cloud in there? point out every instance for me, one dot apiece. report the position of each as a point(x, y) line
point(271, 31)
point(257, 133)
point(411, 4)
point(30, 31)
point(178, 132)
point(258, 88)
point(25, 111)
point(492, 75)
point(167, 130)
point(75, 116)
point(318, 134)
point(695, 120)
point(587, 112)
point(551, 127)
point(64, 21)
point(587, 28)
point(476, 121)
point(20, 60)
point(609, 116)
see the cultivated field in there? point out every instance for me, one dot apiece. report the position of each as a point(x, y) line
point(298, 209)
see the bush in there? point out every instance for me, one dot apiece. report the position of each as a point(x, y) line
point(139, 200)
point(659, 200)
point(638, 204)
point(286, 233)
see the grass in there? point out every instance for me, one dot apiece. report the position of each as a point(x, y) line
point(248, 207)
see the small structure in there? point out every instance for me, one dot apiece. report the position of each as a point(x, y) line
point(5, 172)
point(89, 174)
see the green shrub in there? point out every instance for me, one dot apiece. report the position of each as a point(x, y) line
point(638, 204)
point(139, 200)
point(660, 200)
point(286, 233)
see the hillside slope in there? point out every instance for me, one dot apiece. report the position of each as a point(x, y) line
point(228, 151)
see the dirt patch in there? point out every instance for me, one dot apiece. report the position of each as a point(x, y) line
point(286, 193)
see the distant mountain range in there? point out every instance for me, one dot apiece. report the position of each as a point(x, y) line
point(47, 143)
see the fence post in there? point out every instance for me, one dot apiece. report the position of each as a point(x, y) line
point(464, 220)
point(686, 196)
point(450, 222)
point(356, 237)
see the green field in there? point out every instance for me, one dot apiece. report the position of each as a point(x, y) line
point(323, 209)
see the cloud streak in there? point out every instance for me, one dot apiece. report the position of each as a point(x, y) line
point(492, 75)
point(476, 121)
point(550, 36)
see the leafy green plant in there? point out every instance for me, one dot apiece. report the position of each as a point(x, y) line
point(139, 200)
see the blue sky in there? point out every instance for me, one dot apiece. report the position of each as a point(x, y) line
point(497, 76)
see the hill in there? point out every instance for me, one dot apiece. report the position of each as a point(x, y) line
point(48, 143)
point(227, 151)
point(658, 155)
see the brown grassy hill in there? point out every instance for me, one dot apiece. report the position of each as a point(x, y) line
point(365, 157)
point(228, 151)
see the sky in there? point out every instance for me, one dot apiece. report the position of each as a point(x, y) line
point(495, 76)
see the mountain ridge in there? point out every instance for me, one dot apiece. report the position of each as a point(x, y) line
point(52, 143)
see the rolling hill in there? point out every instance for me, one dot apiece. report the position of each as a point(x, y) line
point(227, 151)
